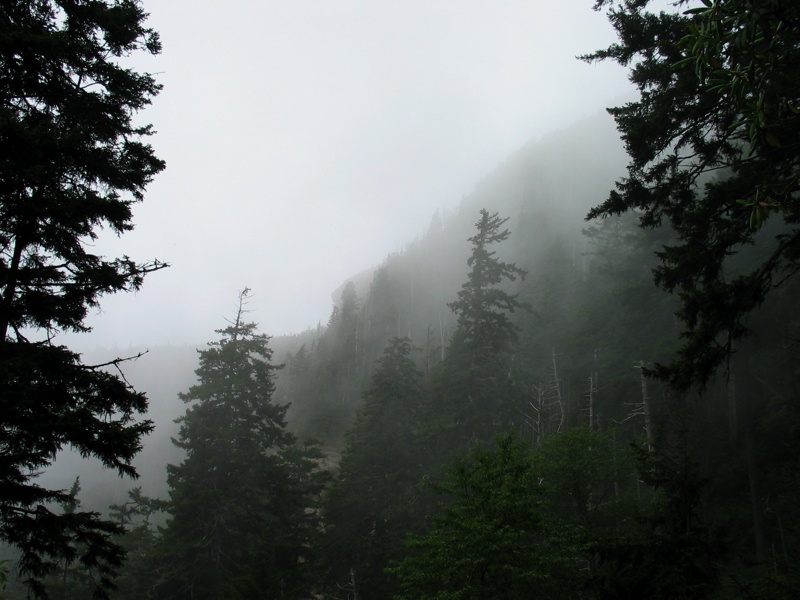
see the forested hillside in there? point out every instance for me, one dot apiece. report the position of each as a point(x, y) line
point(524, 402)
point(486, 392)
point(544, 190)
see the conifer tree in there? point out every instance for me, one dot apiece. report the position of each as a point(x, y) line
point(138, 576)
point(239, 522)
point(485, 330)
point(713, 153)
point(375, 501)
point(73, 159)
point(476, 394)
point(493, 536)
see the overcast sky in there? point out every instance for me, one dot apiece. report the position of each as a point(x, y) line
point(307, 139)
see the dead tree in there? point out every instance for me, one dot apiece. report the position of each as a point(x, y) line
point(555, 396)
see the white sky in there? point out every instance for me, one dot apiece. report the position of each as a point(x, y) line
point(307, 139)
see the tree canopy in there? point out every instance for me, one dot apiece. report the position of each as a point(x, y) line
point(493, 536)
point(72, 161)
point(713, 151)
point(239, 524)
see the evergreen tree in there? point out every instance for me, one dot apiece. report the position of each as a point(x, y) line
point(376, 499)
point(239, 503)
point(381, 315)
point(493, 536)
point(486, 334)
point(72, 160)
point(138, 576)
point(346, 330)
point(476, 397)
point(70, 581)
point(713, 156)
point(713, 153)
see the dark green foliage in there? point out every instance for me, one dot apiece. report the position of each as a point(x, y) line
point(485, 331)
point(71, 161)
point(588, 479)
point(669, 551)
point(139, 540)
point(493, 537)
point(713, 153)
point(475, 397)
point(70, 580)
point(376, 500)
point(241, 502)
point(714, 159)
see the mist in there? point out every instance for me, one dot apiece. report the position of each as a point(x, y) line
point(305, 141)
point(420, 304)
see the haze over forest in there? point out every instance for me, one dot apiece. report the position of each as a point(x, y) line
point(346, 159)
point(305, 141)
point(399, 300)
point(530, 186)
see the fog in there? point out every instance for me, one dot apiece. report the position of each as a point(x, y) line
point(306, 140)
point(491, 374)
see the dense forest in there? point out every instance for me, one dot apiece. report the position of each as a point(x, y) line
point(510, 407)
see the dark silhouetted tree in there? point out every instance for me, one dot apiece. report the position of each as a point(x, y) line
point(72, 160)
point(240, 502)
point(713, 153)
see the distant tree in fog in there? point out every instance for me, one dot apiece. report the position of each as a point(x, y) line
point(476, 393)
point(239, 503)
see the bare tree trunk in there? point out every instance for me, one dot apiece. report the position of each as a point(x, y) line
point(428, 336)
point(648, 417)
point(755, 492)
point(558, 396)
point(354, 584)
point(616, 470)
point(732, 423)
point(535, 418)
point(441, 336)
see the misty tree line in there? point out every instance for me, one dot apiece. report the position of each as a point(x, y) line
point(602, 483)
point(540, 421)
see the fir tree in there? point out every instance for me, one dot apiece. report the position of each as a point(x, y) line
point(476, 396)
point(713, 153)
point(239, 502)
point(73, 159)
point(485, 330)
point(493, 537)
point(376, 499)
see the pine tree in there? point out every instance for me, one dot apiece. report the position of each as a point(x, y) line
point(493, 536)
point(138, 576)
point(476, 394)
point(485, 330)
point(239, 502)
point(73, 159)
point(375, 501)
point(713, 153)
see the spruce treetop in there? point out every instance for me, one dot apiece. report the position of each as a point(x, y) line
point(482, 306)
